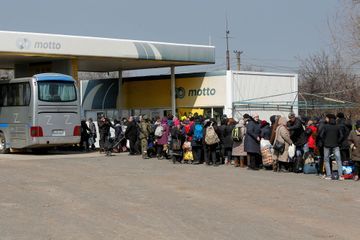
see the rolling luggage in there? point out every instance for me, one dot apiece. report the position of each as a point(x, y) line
point(348, 169)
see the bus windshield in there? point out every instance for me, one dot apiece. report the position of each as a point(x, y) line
point(56, 91)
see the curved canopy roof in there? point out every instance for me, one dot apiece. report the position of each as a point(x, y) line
point(99, 54)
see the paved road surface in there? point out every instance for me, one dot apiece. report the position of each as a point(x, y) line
point(89, 196)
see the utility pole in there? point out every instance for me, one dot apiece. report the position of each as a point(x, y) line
point(227, 46)
point(238, 53)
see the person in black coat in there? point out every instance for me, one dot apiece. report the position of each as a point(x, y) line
point(228, 140)
point(210, 150)
point(104, 131)
point(346, 127)
point(85, 135)
point(265, 130)
point(297, 134)
point(177, 136)
point(132, 135)
point(252, 142)
point(332, 137)
point(221, 129)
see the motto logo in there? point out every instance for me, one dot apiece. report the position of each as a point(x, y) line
point(180, 92)
point(23, 43)
point(47, 45)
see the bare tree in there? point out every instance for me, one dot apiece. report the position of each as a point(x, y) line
point(327, 76)
point(345, 31)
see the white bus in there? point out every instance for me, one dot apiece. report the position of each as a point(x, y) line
point(39, 112)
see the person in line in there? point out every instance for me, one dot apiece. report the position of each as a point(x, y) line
point(312, 131)
point(221, 129)
point(118, 135)
point(104, 130)
point(299, 138)
point(344, 146)
point(282, 136)
point(162, 141)
point(332, 136)
point(196, 134)
point(211, 141)
point(144, 133)
point(354, 141)
point(228, 140)
point(84, 137)
point(265, 130)
point(265, 145)
point(93, 134)
point(252, 142)
point(320, 146)
point(177, 141)
point(238, 151)
point(131, 134)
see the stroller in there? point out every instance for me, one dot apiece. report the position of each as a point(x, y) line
point(112, 143)
point(151, 150)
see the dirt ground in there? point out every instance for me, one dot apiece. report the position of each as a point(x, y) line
point(89, 196)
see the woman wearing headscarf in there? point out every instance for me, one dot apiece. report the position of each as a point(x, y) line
point(282, 136)
point(238, 151)
point(162, 142)
point(252, 142)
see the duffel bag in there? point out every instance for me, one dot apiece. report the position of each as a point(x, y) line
point(310, 168)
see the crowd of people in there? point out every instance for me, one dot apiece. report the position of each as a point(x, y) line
point(327, 146)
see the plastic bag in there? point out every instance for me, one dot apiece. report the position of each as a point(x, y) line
point(264, 143)
point(292, 151)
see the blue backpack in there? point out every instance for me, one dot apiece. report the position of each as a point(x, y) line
point(198, 132)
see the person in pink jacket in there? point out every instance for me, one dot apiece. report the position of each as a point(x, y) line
point(162, 141)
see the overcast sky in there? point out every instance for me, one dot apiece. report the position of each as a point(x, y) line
point(272, 33)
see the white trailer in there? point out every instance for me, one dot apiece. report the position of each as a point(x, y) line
point(263, 93)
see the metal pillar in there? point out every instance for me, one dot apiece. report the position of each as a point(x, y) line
point(173, 91)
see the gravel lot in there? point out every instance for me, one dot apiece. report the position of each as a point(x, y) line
point(89, 196)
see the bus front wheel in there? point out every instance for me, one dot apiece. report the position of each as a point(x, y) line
point(3, 148)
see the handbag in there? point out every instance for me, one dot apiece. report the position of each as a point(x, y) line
point(279, 147)
point(188, 156)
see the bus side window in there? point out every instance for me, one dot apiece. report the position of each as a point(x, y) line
point(26, 94)
point(10, 95)
point(3, 92)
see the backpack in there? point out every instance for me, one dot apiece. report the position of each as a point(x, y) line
point(159, 131)
point(210, 136)
point(198, 132)
point(237, 135)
